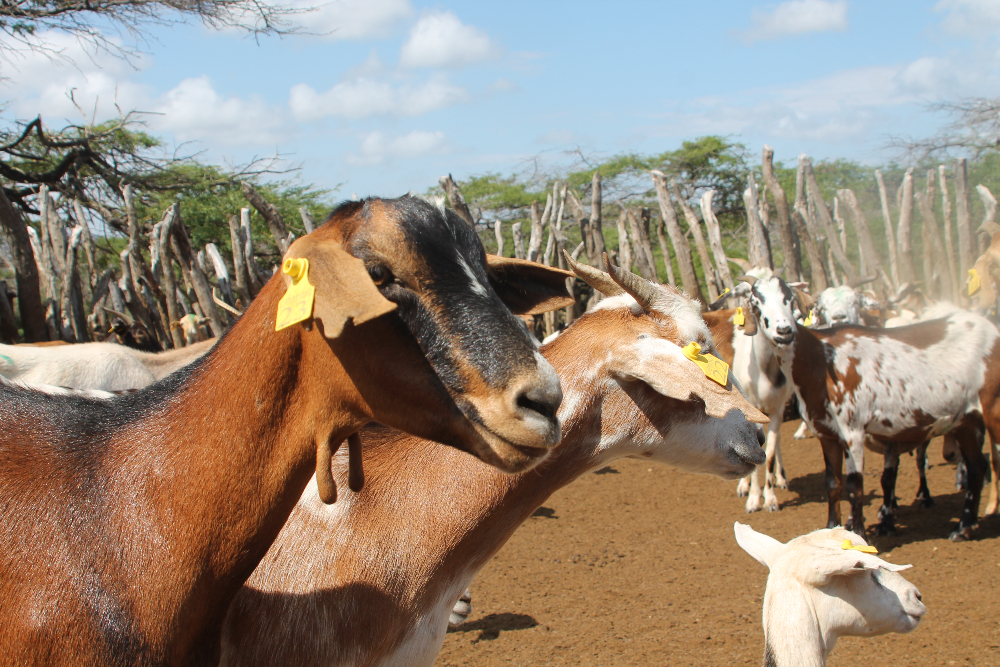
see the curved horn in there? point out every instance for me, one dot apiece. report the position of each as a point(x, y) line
point(124, 317)
point(644, 292)
point(740, 262)
point(596, 278)
point(747, 279)
point(861, 280)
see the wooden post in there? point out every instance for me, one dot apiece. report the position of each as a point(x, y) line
point(73, 330)
point(181, 245)
point(949, 245)
point(498, 232)
point(538, 228)
point(595, 219)
point(823, 214)
point(715, 238)
point(221, 273)
point(640, 257)
point(518, 234)
point(986, 229)
point(253, 270)
point(239, 262)
point(624, 247)
point(865, 241)
point(904, 231)
point(890, 236)
point(668, 263)
point(270, 214)
point(643, 215)
point(758, 251)
point(29, 297)
point(307, 219)
point(711, 277)
point(932, 250)
point(967, 244)
point(689, 279)
point(817, 264)
point(813, 231)
point(793, 263)
point(456, 199)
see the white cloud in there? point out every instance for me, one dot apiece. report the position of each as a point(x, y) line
point(364, 97)
point(796, 17)
point(352, 19)
point(194, 110)
point(441, 40)
point(970, 18)
point(377, 148)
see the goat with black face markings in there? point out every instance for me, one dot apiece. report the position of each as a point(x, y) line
point(903, 385)
point(130, 523)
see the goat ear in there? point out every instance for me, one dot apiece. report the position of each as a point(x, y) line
point(344, 290)
point(528, 288)
point(662, 365)
point(837, 562)
point(762, 547)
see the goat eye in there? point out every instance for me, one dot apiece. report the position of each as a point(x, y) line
point(380, 275)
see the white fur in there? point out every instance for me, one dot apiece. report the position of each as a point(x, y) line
point(477, 286)
point(103, 366)
point(616, 303)
point(817, 591)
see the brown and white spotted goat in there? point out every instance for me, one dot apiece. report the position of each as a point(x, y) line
point(371, 581)
point(901, 386)
point(130, 523)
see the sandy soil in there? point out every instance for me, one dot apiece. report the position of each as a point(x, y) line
point(637, 565)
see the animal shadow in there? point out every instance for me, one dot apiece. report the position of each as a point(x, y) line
point(490, 626)
point(545, 513)
point(607, 470)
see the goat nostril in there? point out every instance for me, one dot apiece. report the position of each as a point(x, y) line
point(545, 409)
point(920, 598)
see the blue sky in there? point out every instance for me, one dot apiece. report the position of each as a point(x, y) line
point(388, 95)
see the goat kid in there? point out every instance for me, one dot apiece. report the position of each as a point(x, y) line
point(372, 580)
point(903, 385)
point(131, 523)
point(822, 587)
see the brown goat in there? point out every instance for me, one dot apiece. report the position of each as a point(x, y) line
point(130, 523)
point(372, 582)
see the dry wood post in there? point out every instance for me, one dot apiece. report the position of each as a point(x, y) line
point(759, 252)
point(904, 230)
point(270, 214)
point(555, 223)
point(582, 221)
point(162, 260)
point(967, 245)
point(8, 323)
point(455, 198)
point(689, 279)
point(307, 219)
point(595, 220)
point(29, 297)
point(793, 263)
point(937, 282)
point(518, 234)
point(989, 225)
point(949, 245)
point(256, 274)
point(668, 262)
point(643, 216)
point(807, 232)
point(221, 273)
point(241, 275)
point(498, 232)
point(711, 277)
point(842, 227)
point(99, 316)
point(74, 326)
point(715, 238)
point(144, 310)
point(88, 243)
point(823, 215)
point(624, 247)
point(538, 221)
point(890, 236)
point(640, 257)
point(193, 273)
point(866, 243)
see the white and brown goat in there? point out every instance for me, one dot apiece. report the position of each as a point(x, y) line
point(130, 523)
point(372, 581)
point(901, 386)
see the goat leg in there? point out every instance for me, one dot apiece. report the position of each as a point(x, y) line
point(970, 442)
point(855, 485)
point(324, 475)
point(833, 456)
point(886, 520)
point(991, 507)
point(923, 493)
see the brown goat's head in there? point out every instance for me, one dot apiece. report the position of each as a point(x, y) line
point(427, 267)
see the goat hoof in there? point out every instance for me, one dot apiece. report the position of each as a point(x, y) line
point(885, 529)
point(781, 483)
point(961, 535)
point(926, 501)
point(753, 507)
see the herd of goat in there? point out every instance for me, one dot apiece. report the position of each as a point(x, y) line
point(188, 507)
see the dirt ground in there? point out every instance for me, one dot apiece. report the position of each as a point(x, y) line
point(637, 565)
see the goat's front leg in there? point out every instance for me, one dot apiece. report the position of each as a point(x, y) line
point(833, 456)
point(970, 442)
point(772, 462)
point(886, 520)
point(855, 483)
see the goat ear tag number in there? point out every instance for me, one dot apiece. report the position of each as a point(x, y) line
point(714, 368)
point(973, 281)
point(848, 546)
point(739, 319)
point(297, 304)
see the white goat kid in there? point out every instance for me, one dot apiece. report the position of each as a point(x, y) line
point(822, 587)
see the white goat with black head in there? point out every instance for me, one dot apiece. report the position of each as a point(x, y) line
point(825, 585)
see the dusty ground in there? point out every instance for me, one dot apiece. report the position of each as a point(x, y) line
point(638, 565)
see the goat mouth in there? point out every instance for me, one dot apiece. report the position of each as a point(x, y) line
point(510, 456)
point(784, 340)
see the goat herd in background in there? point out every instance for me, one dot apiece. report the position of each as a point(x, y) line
point(189, 506)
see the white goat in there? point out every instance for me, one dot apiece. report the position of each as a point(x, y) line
point(104, 366)
point(822, 587)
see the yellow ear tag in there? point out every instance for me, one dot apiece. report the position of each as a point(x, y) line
point(739, 319)
point(808, 322)
point(847, 546)
point(725, 292)
point(973, 281)
point(297, 304)
point(713, 367)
